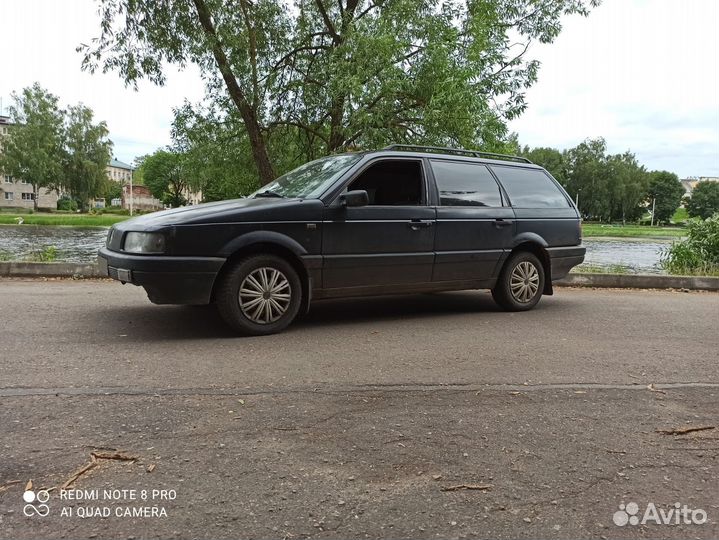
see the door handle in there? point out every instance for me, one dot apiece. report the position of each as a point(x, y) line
point(417, 224)
point(501, 223)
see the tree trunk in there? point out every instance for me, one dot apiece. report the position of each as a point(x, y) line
point(35, 197)
point(249, 114)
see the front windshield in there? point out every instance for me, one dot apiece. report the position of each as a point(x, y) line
point(310, 180)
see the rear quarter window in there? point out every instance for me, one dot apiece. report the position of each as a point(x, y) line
point(465, 184)
point(530, 188)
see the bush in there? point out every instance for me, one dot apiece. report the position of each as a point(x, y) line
point(698, 253)
point(67, 204)
point(46, 254)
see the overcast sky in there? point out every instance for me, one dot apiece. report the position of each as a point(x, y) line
point(641, 73)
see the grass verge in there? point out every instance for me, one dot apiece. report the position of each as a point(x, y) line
point(631, 231)
point(71, 220)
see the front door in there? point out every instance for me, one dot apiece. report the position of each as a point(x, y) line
point(388, 242)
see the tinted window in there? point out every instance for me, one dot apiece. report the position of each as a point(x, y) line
point(392, 183)
point(465, 184)
point(530, 188)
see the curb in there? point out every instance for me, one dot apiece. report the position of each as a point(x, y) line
point(58, 269)
point(640, 281)
point(613, 281)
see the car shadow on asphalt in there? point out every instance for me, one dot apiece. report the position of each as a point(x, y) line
point(154, 323)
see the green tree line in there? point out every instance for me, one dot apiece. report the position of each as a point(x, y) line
point(610, 187)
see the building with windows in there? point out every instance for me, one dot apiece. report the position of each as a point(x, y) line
point(18, 193)
point(119, 171)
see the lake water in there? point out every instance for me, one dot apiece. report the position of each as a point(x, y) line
point(81, 245)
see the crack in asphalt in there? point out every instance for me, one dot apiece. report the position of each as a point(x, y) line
point(19, 391)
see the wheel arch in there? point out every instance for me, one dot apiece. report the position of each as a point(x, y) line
point(536, 245)
point(267, 242)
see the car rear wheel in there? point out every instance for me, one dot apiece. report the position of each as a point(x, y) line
point(521, 283)
point(259, 295)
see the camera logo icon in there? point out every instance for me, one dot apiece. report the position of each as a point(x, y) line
point(36, 502)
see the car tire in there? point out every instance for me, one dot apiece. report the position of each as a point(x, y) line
point(521, 283)
point(259, 295)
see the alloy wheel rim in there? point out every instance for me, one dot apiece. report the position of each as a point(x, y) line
point(265, 295)
point(524, 282)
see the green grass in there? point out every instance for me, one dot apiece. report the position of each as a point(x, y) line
point(629, 231)
point(73, 220)
point(680, 216)
point(593, 269)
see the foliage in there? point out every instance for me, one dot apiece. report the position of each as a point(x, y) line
point(32, 148)
point(163, 174)
point(699, 252)
point(67, 204)
point(87, 153)
point(320, 77)
point(46, 254)
point(666, 190)
point(113, 190)
point(610, 187)
point(704, 200)
point(551, 159)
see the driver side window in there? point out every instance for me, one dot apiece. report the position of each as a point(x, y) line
point(392, 183)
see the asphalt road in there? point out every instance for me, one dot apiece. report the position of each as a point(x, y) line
point(362, 419)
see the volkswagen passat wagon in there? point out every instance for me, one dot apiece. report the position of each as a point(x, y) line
point(404, 219)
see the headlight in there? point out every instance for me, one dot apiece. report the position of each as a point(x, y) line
point(142, 242)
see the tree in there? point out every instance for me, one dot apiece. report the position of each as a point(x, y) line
point(162, 173)
point(32, 149)
point(551, 159)
point(665, 191)
point(627, 186)
point(588, 175)
point(87, 153)
point(704, 200)
point(334, 75)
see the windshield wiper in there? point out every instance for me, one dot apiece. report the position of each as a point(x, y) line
point(269, 193)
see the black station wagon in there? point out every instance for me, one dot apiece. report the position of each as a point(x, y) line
point(404, 219)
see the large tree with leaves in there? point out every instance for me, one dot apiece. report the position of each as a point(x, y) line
point(163, 175)
point(331, 75)
point(87, 153)
point(704, 200)
point(665, 194)
point(32, 150)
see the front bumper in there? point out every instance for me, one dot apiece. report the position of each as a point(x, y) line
point(563, 259)
point(166, 279)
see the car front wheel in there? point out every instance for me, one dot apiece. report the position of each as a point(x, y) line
point(259, 295)
point(521, 283)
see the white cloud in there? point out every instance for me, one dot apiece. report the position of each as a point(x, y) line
point(642, 74)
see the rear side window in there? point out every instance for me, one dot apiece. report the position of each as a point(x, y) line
point(530, 188)
point(465, 184)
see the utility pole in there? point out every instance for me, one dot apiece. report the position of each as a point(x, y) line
point(132, 191)
point(654, 205)
point(576, 200)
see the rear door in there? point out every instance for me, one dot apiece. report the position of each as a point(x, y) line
point(474, 226)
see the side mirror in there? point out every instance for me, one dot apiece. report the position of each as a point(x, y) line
point(356, 197)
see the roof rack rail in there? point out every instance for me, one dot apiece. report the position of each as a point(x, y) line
point(459, 151)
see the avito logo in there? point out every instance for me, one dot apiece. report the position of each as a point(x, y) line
point(678, 514)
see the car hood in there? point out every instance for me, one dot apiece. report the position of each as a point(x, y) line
point(215, 212)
